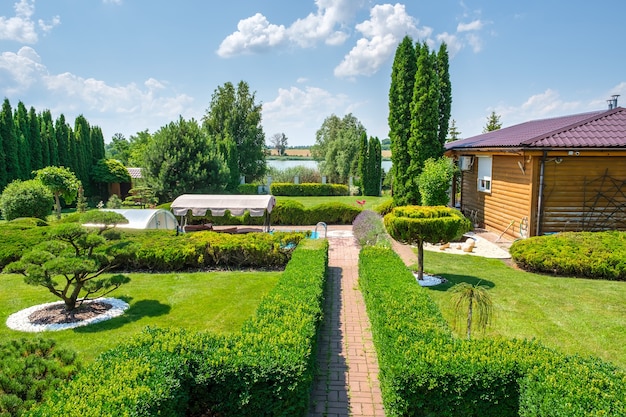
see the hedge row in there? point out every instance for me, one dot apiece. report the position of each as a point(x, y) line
point(308, 189)
point(158, 250)
point(599, 255)
point(265, 370)
point(425, 371)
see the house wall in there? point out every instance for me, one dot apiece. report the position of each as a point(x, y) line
point(510, 200)
point(584, 193)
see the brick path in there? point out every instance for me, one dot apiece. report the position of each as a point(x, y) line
point(347, 380)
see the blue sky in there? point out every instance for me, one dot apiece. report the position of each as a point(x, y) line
point(131, 65)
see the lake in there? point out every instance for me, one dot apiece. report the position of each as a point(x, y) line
point(284, 164)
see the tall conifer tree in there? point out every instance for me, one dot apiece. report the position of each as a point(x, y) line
point(400, 97)
point(22, 130)
point(82, 130)
point(34, 139)
point(445, 92)
point(9, 141)
point(62, 134)
point(45, 121)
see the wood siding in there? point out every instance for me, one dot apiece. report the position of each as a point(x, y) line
point(584, 193)
point(510, 202)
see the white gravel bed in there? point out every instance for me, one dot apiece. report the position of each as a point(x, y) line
point(19, 321)
point(483, 248)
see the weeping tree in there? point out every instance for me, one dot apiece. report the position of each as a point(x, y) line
point(68, 265)
point(472, 298)
point(418, 224)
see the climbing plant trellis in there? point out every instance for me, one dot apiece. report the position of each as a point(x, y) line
point(604, 203)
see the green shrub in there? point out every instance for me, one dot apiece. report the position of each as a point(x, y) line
point(368, 229)
point(600, 255)
point(308, 189)
point(18, 236)
point(30, 369)
point(424, 371)
point(289, 212)
point(434, 181)
point(249, 189)
point(26, 199)
point(266, 369)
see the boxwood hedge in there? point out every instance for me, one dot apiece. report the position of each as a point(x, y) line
point(600, 255)
point(264, 370)
point(308, 189)
point(425, 371)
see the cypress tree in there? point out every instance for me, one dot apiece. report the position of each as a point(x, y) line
point(400, 96)
point(445, 92)
point(363, 163)
point(374, 155)
point(62, 134)
point(97, 145)
point(34, 140)
point(424, 141)
point(82, 131)
point(45, 120)
point(9, 142)
point(22, 130)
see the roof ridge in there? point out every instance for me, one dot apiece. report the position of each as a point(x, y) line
point(593, 117)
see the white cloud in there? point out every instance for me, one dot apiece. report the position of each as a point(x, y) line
point(299, 112)
point(387, 26)
point(19, 71)
point(538, 106)
point(112, 1)
point(471, 26)
point(20, 27)
point(256, 34)
point(452, 41)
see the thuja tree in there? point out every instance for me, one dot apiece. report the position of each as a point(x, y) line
point(68, 266)
point(417, 224)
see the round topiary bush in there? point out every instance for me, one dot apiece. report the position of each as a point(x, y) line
point(26, 199)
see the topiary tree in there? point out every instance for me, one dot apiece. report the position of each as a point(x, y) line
point(68, 266)
point(472, 296)
point(26, 199)
point(435, 180)
point(61, 182)
point(103, 218)
point(418, 224)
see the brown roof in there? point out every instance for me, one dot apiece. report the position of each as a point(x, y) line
point(134, 172)
point(601, 129)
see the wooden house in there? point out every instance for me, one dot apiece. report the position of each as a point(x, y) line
point(546, 176)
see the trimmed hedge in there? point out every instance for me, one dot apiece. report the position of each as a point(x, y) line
point(308, 189)
point(293, 213)
point(265, 370)
point(426, 223)
point(599, 255)
point(425, 371)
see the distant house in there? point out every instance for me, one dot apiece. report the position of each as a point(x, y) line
point(545, 176)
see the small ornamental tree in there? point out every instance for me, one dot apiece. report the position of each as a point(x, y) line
point(417, 224)
point(435, 180)
point(26, 199)
point(104, 219)
point(61, 182)
point(476, 298)
point(68, 266)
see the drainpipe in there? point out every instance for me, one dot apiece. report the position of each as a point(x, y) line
point(540, 197)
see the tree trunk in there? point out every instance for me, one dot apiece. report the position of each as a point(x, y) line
point(57, 205)
point(420, 259)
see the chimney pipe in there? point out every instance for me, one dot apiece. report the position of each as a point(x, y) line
point(613, 101)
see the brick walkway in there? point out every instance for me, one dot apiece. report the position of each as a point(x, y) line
point(347, 380)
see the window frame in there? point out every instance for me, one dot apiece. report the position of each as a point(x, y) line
point(484, 181)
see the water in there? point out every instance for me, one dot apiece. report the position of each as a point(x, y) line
point(284, 164)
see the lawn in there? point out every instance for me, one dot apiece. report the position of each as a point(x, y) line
point(577, 316)
point(215, 301)
point(370, 202)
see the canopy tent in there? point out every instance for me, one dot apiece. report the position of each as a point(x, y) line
point(146, 219)
point(217, 204)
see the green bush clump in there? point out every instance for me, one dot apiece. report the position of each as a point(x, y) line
point(266, 369)
point(308, 189)
point(26, 199)
point(293, 213)
point(425, 371)
point(599, 255)
point(29, 369)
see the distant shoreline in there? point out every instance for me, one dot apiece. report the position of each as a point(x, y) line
point(305, 155)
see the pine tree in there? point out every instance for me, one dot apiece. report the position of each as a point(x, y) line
point(34, 139)
point(400, 97)
point(10, 142)
point(493, 123)
point(453, 132)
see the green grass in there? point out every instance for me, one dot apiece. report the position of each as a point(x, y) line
point(215, 301)
point(577, 316)
point(370, 202)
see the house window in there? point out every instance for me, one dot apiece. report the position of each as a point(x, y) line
point(484, 174)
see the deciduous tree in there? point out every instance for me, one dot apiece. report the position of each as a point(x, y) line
point(279, 142)
point(61, 182)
